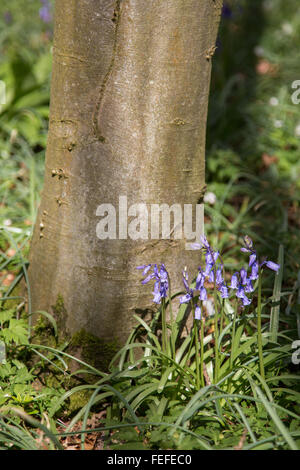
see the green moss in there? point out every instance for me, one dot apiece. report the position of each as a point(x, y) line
point(93, 350)
point(43, 329)
point(42, 332)
point(41, 324)
point(59, 306)
point(60, 314)
point(79, 400)
point(83, 345)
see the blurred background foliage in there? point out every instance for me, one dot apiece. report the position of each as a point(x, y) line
point(25, 67)
point(253, 137)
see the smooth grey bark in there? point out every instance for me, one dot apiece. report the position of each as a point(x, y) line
point(128, 112)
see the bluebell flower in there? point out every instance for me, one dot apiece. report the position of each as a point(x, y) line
point(195, 246)
point(252, 259)
point(200, 279)
point(189, 291)
point(145, 268)
point(148, 278)
point(240, 292)
point(241, 295)
point(184, 299)
point(205, 243)
point(161, 284)
point(253, 263)
point(202, 293)
point(234, 281)
point(211, 277)
point(254, 271)
point(221, 286)
point(224, 291)
point(164, 281)
point(211, 272)
point(219, 277)
point(208, 271)
point(248, 248)
point(45, 11)
point(249, 287)
point(211, 255)
point(156, 293)
point(246, 301)
point(226, 11)
point(271, 265)
point(242, 284)
point(248, 244)
point(243, 275)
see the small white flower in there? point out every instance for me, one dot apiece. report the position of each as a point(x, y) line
point(297, 130)
point(259, 51)
point(287, 28)
point(278, 123)
point(13, 135)
point(210, 198)
point(7, 222)
point(274, 101)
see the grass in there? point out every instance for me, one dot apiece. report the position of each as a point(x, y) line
point(251, 399)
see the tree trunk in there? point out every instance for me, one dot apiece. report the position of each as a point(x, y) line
point(128, 111)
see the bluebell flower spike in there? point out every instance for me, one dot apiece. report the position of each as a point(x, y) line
point(161, 285)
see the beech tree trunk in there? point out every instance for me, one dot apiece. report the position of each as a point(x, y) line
point(129, 97)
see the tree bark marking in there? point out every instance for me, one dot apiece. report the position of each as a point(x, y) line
point(97, 113)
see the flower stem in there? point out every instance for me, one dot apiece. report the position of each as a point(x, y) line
point(189, 350)
point(202, 352)
point(163, 325)
point(216, 332)
point(173, 346)
point(259, 333)
point(221, 322)
point(196, 336)
point(233, 333)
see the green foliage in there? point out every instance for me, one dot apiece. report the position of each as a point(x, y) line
point(14, 434)
point(25, 68)
point(13, 330)
point(154, 401)
point(19, 388)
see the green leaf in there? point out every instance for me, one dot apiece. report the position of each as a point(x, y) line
point(19, 331)
point(274, 320)
point(277, 421)
point(6, 315)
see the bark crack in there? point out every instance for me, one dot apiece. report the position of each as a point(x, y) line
point(96, 117)
point(68, 56)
